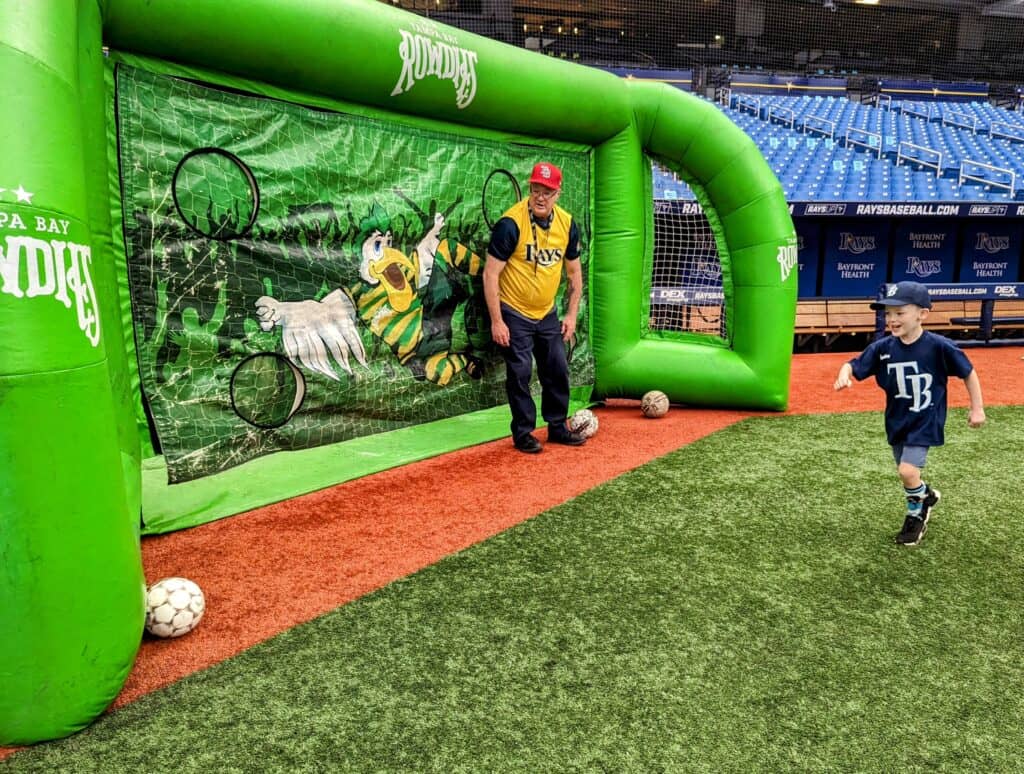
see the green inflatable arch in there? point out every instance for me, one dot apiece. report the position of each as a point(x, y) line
point(71, 590)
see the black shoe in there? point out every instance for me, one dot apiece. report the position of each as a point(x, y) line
point(528, 445)
point(566, 437)
point(913, 530)
point(931, 499)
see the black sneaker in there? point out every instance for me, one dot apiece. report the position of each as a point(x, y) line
point(528, 444)
point(913, 530)
point(566, 437)
point(930, 500)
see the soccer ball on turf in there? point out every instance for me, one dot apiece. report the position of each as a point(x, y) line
point(654, 404)
point(583, 422)
point(174, 606)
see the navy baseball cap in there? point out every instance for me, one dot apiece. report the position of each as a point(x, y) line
point(903, 293)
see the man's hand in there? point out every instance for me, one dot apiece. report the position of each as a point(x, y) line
point(492, 279)
point(499, 332)
point(568, 328)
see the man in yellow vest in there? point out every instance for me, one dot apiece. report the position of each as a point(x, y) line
point(530, 245)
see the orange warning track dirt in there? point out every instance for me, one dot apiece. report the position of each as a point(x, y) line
point(272, 568)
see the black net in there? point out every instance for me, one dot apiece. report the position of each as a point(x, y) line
point(686, 275)
point(908, 38)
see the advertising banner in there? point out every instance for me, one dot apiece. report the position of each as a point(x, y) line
point(990, 252)
point(855, 262)
point(924, 251)
point(898, 209)
point(978, 291)
point(808, 240)
point(681, 79)
point(751, 83)
point(933, 91)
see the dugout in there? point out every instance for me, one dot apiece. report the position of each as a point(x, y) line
point(844, 259)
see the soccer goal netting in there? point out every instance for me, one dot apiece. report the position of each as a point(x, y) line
point(686, 272)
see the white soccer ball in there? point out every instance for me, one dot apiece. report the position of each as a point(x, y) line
point(583, 422)
point(654, 404)
point(174, 606)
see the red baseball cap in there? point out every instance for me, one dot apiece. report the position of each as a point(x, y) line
point(547, 175)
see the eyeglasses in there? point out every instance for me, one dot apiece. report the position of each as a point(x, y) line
point(542, 192)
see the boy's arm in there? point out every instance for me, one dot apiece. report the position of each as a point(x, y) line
point(976, 413)
point(860, 367)
point(843, 380)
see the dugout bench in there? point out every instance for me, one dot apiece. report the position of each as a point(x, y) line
point(963, 307)
point(955, 307)
point(834, 317)
point(1009, 295)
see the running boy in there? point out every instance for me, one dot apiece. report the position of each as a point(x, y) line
point(913, 366)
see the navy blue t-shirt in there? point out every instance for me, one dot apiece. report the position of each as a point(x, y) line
point(914, 378)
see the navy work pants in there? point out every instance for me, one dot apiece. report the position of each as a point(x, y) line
point(540, 339)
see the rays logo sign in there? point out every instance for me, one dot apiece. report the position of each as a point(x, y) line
point(923, 267)
point(855, 243)
point(992, 244)
point(428, 52)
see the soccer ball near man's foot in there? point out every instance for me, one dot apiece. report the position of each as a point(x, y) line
point(583, 422)
point(654, 404)
point(174, 606)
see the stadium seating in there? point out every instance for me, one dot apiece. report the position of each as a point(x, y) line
point(833, 149)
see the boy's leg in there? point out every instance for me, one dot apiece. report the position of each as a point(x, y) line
point(920, 497)
point(917, 458)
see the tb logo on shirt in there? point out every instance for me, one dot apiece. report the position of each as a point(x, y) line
point(912, 386)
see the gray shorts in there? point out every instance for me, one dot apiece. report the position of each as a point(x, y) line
point(913, 455)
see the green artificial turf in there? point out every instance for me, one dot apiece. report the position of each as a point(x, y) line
point(738, 605)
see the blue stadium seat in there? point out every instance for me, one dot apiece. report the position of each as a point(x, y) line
point(812, 166)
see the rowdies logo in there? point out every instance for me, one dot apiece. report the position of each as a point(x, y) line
point(787, 258)
point(429, 52)
point(37, 265)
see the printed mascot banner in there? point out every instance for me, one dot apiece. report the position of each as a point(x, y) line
point(313, 279)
